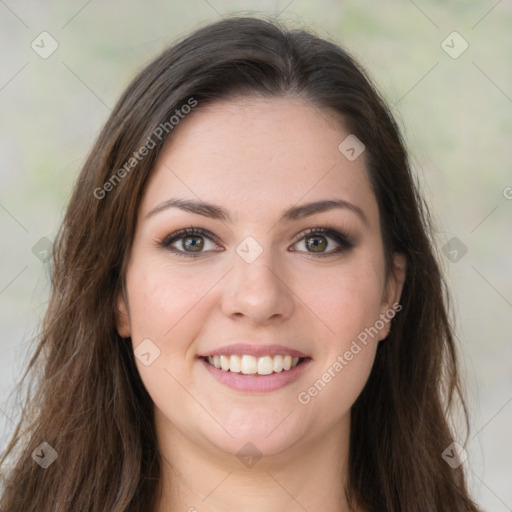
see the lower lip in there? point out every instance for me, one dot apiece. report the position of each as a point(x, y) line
point(256, 383)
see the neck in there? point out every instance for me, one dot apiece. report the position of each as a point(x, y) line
point(310, 475)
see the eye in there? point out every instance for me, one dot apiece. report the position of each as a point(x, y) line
point(191, 242)
point(316, 241)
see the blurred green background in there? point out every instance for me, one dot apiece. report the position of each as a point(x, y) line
point(455, 112)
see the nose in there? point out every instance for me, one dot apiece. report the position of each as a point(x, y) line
point(259, 291)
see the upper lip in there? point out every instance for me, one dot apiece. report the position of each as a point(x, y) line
point(254, 350)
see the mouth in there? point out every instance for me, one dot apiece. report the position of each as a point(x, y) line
point(246, 364)
point(255, 374)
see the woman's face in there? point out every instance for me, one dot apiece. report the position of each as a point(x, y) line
point(254, 284)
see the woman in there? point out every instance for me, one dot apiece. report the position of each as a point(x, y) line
point(246, 310)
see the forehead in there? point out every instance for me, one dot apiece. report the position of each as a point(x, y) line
point(259, 155)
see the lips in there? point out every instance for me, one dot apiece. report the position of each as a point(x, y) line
point(241, 349)
point(254, 383)
point(253, 367)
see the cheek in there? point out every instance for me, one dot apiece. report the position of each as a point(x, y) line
point(346, 305)
point(344, 301)
point(163, 300)
point(167, 306)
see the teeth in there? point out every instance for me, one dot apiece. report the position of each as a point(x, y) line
point(224, 363)
point(265, 365)
point(234, 364)
point(250, 365)
point(278, 364)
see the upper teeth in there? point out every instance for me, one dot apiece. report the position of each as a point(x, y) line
point(249, 364)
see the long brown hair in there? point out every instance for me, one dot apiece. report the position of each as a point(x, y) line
point(90, 404)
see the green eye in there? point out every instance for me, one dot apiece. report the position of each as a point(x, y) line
point(194, 242)
point(191, 242)
point(316, 241)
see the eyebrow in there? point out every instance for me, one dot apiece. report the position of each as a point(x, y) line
point(291, 214)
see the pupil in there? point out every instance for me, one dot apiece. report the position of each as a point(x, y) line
point(317, 245)
point(197, 246)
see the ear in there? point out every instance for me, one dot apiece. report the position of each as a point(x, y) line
point(123, 315)
point(392, 292)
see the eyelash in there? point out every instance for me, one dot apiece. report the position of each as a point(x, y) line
point(345, 244)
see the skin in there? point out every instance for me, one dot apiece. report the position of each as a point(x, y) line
point(256, 157)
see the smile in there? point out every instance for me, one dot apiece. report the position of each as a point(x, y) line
point(250, 365)
point(242, 372)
